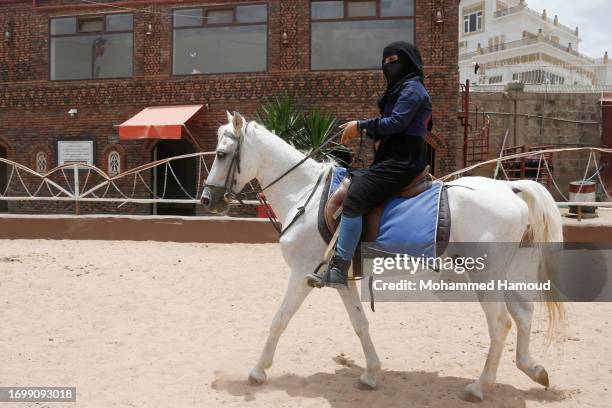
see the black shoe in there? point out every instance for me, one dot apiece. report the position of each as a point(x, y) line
point(335, 275)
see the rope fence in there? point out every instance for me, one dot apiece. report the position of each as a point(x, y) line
point(540, 154)
point(86, 183)
point(160, 181)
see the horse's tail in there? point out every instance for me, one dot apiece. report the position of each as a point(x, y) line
point(546, 231)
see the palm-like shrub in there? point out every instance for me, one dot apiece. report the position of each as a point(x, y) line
point(281, 116)
point(305, 131)
point(315, 128)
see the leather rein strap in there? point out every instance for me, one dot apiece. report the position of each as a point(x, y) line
point(302, 208)
point(304, 160)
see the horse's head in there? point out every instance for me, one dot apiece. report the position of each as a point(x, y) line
point(234, 166)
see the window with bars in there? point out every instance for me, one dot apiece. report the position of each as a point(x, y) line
point(220, 39)
point(352, 34)
point(41, 162)
point(91, 47)
point(538, 77)
point(114, 163)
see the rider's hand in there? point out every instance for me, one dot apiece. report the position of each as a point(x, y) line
point(351, 131)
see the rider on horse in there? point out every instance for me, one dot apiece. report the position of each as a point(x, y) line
point(400, 133)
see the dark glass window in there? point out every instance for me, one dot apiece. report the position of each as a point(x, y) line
point(252, 14)
point(188, 17)
point(91, 25)
point(472, 22)
point(220, 16)
point(226, 40)
point(323, 10)
point(91, 47)
point(119, 22)
point(361, 9)
point(355, 44)
point(352, 34)
point(63, 26)
point(392, 8)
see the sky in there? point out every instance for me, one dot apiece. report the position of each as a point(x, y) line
point(593, 18)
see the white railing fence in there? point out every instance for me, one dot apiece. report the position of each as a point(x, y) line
point(160, 182)
point(81, 183)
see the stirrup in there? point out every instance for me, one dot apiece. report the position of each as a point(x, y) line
point(339, 267)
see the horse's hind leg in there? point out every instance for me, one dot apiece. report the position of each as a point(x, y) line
point(499, 323)
point(350, 298)
point(522, 313)
point(297, 290)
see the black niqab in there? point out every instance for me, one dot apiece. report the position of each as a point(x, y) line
point(409, 67)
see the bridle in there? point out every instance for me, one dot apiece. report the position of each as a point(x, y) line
point(230, 179)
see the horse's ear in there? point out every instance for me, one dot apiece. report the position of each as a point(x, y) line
point(229, 117)
point(237, 122)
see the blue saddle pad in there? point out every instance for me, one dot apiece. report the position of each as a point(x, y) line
point(407, 225)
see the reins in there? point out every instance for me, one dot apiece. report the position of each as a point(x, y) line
point(235, 167)
point(304, 160)
point(301, 209)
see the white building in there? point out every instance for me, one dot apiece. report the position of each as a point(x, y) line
point(603, 71)
point(510, 42)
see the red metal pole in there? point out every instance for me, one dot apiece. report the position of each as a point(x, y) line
point(466, 109)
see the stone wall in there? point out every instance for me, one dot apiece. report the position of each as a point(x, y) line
point(558, 119)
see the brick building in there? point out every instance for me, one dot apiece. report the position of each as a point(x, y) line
point(109, 61)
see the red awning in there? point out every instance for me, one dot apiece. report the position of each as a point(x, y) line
point(158, 122)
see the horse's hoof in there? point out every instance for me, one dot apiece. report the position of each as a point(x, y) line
point(257, 377)
point(539, 375)
point(472, 394)
point(366, 382)
point(314, 281)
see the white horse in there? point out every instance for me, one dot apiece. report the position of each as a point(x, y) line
point(489, 211)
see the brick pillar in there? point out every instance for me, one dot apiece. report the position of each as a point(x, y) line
point(295, 21)
point(148, 45)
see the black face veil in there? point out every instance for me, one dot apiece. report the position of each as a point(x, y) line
point(408, 67)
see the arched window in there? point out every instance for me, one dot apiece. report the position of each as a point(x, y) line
point(114, 163)
point(41, 162)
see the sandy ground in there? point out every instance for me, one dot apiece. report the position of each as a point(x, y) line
point(144, 324)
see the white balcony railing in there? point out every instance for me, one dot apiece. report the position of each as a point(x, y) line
point(522, 43)
point(496, 75)
point(522, 8)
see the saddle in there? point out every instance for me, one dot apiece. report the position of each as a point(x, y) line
point(330, 211)
point(371, 220)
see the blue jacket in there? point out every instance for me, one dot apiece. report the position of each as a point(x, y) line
point(407, 114)
point(401, 129)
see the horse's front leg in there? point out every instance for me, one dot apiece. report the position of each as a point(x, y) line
point(350, 297)
point(297, 290)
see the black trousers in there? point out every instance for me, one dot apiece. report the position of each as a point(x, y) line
point(372, 186)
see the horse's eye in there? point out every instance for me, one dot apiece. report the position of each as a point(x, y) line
point(221, 155)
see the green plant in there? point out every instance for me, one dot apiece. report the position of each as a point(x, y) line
point(305, 131)
point(281, 116)
point(315, 129)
